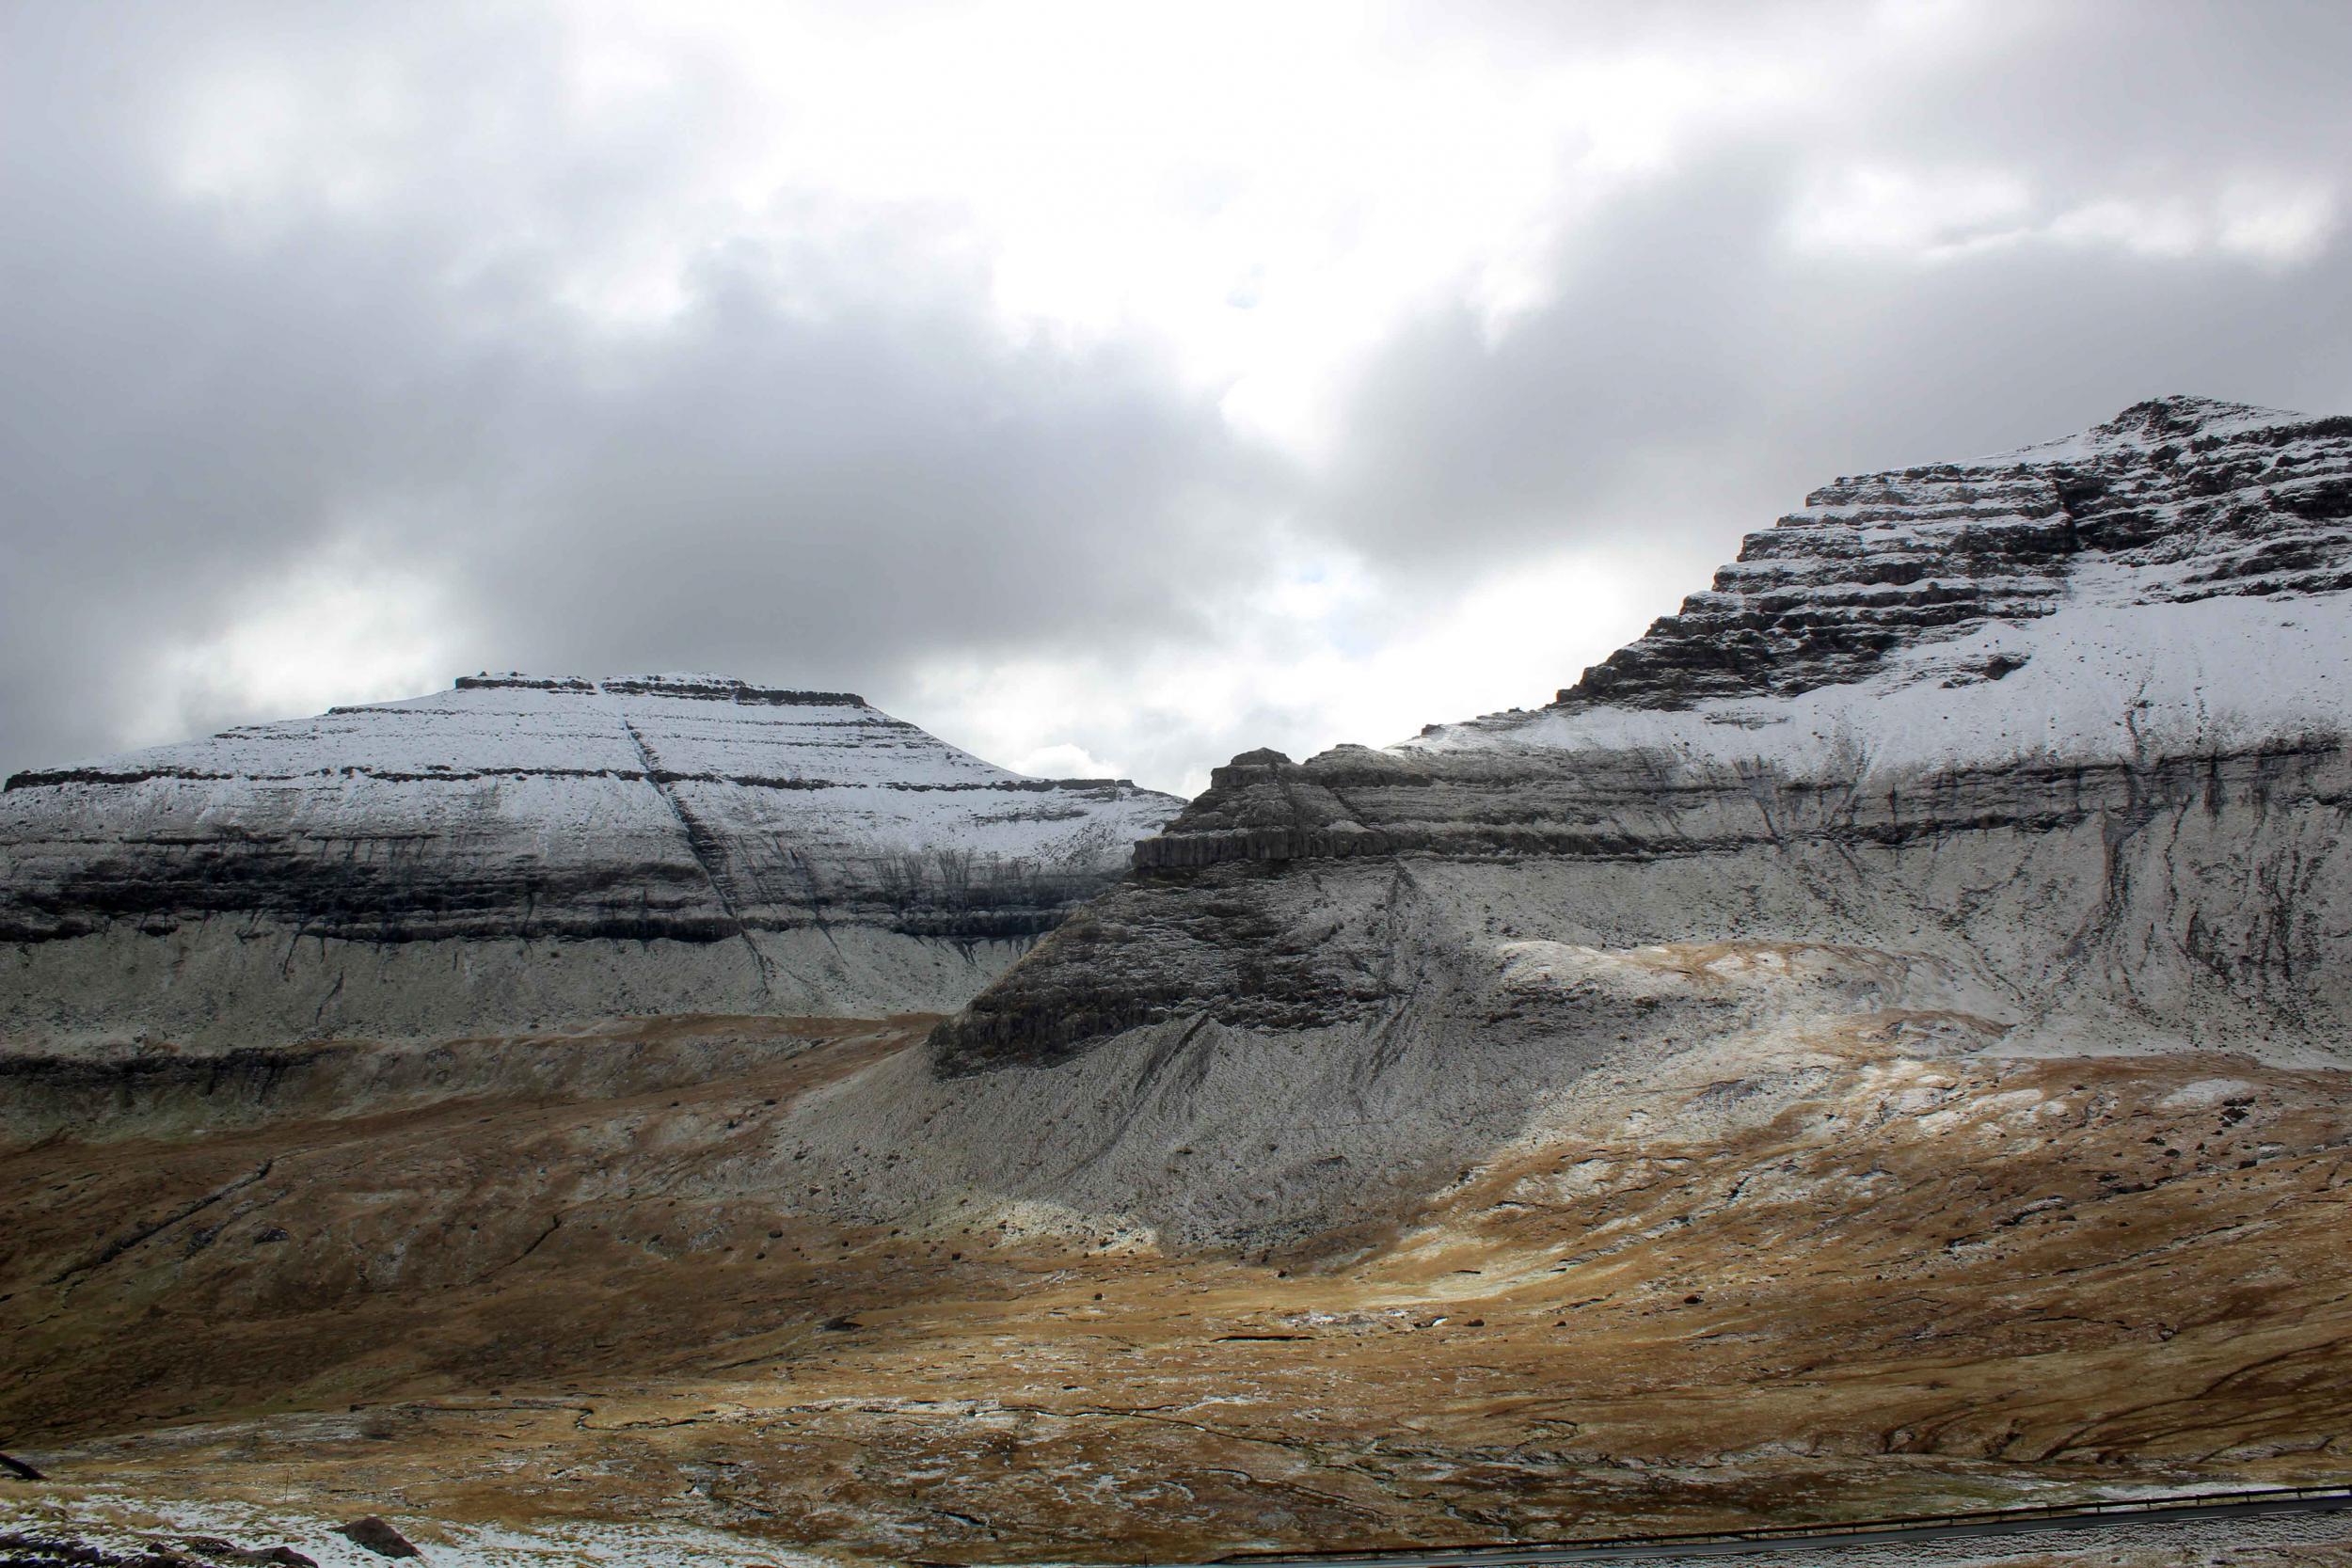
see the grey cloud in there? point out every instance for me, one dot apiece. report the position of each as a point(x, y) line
point(855, 491)
point(830, 466)
point(826, 468)
point(1692, 374)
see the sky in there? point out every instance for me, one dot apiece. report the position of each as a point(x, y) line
point(1107, 388)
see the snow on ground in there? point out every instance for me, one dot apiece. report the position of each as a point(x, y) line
point(2212, 416)
point(125, 1525)
point(563, 757)
point(2107, 674)
point(2205, 609)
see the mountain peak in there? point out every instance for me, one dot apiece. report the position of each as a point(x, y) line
point(2183, 413)
point(2065, 735)
point(528, 849)
point(2152, 424)
point(1936, 574)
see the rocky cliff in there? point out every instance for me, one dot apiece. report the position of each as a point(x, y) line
point(2170, 502)
point(525, 851)
point(2038, 753)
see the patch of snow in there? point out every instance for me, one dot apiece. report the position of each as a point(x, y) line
point(125, 1524)
point(2205, 1092)
point(2108, 674)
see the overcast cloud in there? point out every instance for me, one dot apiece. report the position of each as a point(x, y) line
point(1100, 389)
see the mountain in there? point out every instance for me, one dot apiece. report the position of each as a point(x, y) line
point(1872, 1048)
point(522, 851)
point(2041, 753)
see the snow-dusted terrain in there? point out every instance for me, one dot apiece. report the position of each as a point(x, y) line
point(2038, 754)
point(520, 852)
point(1874, 1046)
point(2174, 580)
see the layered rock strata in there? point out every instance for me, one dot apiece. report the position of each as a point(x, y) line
point(2185, 499)
point(523, 851)
point(2042, 752)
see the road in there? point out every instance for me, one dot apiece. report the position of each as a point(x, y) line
point(2237, 1506)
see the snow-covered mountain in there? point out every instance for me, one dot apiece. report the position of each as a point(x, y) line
point(2168, 579)
point(1876, 1046)
point(2038, 753)
point(522, 851)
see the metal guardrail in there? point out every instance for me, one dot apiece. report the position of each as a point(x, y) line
point(1765, 1534)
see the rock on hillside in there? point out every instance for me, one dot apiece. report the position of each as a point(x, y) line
point(521, 852)
point(2039, 752)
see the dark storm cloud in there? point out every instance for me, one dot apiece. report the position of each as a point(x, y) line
point(826, 460)
point(1691, 373)
point(824, 464)
point(1696, 371)
point(846, 492)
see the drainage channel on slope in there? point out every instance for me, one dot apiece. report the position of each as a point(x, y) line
point(699, 843)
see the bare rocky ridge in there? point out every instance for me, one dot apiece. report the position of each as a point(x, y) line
point(529, 851)
point(2209, 498)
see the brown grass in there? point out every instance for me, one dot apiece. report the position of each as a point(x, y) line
point(1927, 1284)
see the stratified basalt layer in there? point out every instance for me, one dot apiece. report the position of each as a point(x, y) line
point(2194, 897)
point(2050, 744)
point(2204, 498)
point(525, 849)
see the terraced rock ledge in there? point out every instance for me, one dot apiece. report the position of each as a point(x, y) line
point(527, 852)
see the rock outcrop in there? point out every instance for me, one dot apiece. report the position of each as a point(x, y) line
point(2043, 752)
point(2187, 499)
point(521, 853)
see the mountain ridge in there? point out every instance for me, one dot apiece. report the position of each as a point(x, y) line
point(2194, 499)
point(782, 850)
point(1917, 1092)
point(2126, 837)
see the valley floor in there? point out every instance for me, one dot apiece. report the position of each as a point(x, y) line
point(573, 1295)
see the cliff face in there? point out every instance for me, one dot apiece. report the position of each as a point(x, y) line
point(524, 852)
point(2179, 499)
point(2191, 897)
point(2039, 752)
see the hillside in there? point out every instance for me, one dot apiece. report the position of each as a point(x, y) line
point(523, 851)
point(1874, 1046)
point(2041, 753)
